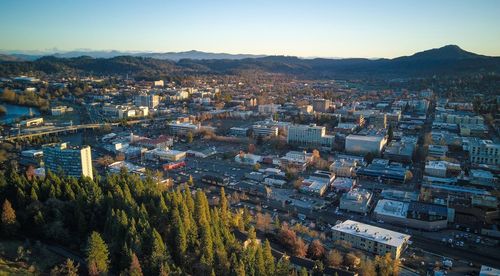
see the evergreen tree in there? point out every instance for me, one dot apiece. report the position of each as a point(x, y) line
point(224, 209)
point(9, 222)
point(260, 265)
point(303, 272)
point(268, 258)
point(97, 254)
point(179, 237)
point(283, 266)
point(158, 255)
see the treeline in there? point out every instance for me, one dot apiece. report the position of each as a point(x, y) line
point(127, 225)
point(27, 98)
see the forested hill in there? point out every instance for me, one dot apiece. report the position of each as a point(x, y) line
point(448, 60)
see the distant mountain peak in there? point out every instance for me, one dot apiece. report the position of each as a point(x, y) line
point(448, 52)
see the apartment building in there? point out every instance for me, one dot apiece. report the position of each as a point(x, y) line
point(371, 238)
point(73, 161)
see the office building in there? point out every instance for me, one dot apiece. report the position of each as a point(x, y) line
point(296, 159)
point(149, 100)
point(484, 152)
point(309, 136)
point(459, 119)
point(359, 144)
point(158, 83)
point(357, 201)
point(442, 168)
point(164, 155)
point(414, 214)
point(379, 120)
point(60, 110)
point(321, 105)
point(32, 122)
point(371, 238)
point(483, 178)
point(317, 183)
point(264, 131)
point(437, 151)
point(177, 128)
point(344, 167)
point(73, 161)
point(401, 151)
point(268, 108)
point(380, 172)
point(343, 184)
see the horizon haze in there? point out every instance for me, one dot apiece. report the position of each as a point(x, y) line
point(329, 29)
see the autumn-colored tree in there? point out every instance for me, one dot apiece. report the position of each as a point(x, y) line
point(9, 222)
point(367, 268)
point(316, 251)
point(334, 258)
point(135, 267)
point(289, 239)
point(263, 222)
point(351, 260)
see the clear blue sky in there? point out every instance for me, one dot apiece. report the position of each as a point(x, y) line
point(350, 28)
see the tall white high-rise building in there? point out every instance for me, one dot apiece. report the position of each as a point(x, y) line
point(73, 161)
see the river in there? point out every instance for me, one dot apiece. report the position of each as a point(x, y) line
point(15, 112)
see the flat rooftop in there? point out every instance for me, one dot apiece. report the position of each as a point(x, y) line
point(372, 233)
point(392, 208)
point(367, 138)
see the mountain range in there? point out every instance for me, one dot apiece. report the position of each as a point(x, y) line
point(175, 56)
point(447, 60)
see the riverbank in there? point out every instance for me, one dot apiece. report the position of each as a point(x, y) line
point(16, 112)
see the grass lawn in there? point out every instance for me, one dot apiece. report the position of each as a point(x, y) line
point(19, 258)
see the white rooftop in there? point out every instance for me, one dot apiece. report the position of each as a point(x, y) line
point(372, 233)
point(392, 208)
point(489, 271)
point(367, 138)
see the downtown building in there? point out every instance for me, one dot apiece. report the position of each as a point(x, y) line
point(73, 161)
point(483, 152)
point(371, 238)
point(363, 144)
point(149, 100)
point(309, 136)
